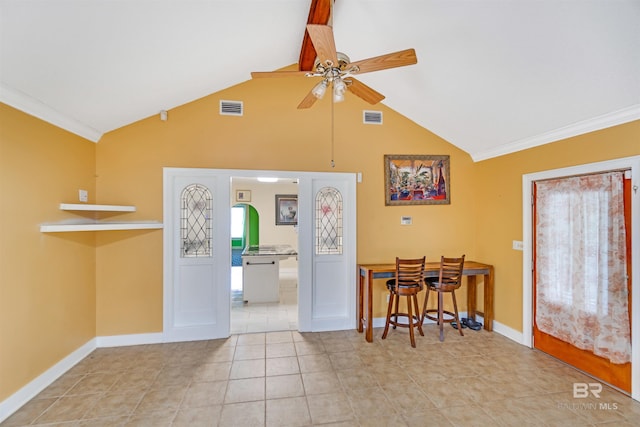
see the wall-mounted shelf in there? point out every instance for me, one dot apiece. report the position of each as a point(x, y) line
point(95, 208)
point(98, 225)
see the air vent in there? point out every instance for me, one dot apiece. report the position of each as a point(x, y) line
point(372, 117)
point(231, 108)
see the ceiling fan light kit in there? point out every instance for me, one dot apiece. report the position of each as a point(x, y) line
point(339, 88)
point(319, 90)
point(336, 69)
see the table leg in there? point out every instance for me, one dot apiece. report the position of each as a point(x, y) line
point(488, 300)
point(360, 297)
point(369, 291)
point(471, 297)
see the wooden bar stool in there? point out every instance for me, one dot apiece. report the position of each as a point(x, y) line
point(408, 282)
point(449, 279)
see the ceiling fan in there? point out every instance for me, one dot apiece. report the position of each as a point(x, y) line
point(336, 70)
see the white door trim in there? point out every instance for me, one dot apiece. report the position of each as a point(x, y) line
point(632, 163)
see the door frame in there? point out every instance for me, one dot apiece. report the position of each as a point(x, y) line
point(305, 235)
point(632, 163)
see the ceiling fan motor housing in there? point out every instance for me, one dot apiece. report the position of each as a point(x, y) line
point(323, 68)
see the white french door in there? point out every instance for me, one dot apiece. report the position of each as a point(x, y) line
point(197, 255)
point(327, 295)
point(197, 287)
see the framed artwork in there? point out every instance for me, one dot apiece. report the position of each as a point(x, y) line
point(243, 195)
point(286, 209)
point(416, 180)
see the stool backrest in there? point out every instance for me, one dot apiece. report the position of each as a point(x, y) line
point(450, 276)
point(409, 272)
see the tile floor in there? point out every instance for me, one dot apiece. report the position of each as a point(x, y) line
point(289, 378)
point(265, 317)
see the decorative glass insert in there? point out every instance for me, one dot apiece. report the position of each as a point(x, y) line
point(196, 208)
point(328, 221)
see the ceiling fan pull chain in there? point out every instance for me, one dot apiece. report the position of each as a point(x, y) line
point(333, 164)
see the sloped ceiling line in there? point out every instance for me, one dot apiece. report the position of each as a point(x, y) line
point(615, 118)
point(36, 108)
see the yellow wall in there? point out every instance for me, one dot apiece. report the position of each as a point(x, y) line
point(272, 135)
point(499, 211)
point(47, 281)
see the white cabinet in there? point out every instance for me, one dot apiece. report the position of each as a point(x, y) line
point(260, 279)
point(261, 272)
point(86, 224)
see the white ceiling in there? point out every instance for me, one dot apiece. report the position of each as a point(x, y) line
point(493, 76)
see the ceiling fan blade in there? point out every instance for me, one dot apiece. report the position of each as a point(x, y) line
point(272, 74)
point(365, 92)
point(323, 42)
point(308, 101)
point(320, 12)
point(390, 60)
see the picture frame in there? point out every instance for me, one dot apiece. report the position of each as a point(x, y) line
point(416, 180)
point(243, 195)
point(286, 209)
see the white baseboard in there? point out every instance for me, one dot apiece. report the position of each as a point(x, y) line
point(128, 340)
point(379, 322)
point(508, 332)
point(29, 391)
point(512, 334)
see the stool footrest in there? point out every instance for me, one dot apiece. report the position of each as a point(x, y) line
point(451, 316)
point(396, 322)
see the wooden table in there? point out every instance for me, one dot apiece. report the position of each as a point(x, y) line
point(368, 272)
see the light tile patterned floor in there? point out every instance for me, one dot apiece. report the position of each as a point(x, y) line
point(265, 317)
point(330, 378)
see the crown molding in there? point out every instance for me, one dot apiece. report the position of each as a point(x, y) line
point(36, 108)
point(604, 121)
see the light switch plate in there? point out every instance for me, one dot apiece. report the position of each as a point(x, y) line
point(83, 195)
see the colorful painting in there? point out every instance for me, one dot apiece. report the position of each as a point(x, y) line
point(416, 180)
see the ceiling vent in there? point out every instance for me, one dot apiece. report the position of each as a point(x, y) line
point(372, 117)
point(231, 108)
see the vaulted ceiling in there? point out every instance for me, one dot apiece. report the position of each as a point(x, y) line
point(493, 76)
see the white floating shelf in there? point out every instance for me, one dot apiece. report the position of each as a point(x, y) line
point(96, 208)
point(99, 226)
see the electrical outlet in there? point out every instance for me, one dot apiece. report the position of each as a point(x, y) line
point(83, 195)
point(518, 245)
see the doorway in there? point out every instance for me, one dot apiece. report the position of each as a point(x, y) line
point(581, 290)
point(200, 309)
point(253, 224)
point(631, 163)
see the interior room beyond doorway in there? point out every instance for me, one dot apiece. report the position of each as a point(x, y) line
point(259, 196)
